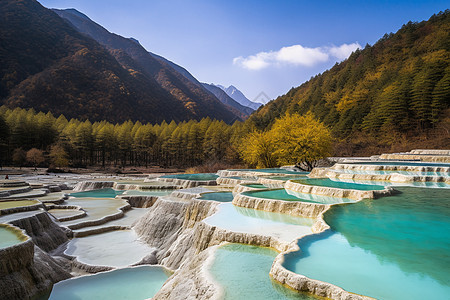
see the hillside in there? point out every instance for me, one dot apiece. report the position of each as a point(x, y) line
point(182, 86)
point(396, 91)
point(47, 65)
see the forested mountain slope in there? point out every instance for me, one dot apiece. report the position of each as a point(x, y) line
point(46, 64)
point(194, 97)
point(399, 88)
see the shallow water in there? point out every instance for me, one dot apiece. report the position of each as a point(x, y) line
point(130, 217)
point(101, 193)
point(255, 185)
point(124, 284)
point(18, 203)
point(243, 272)
point(271, 170)
point(394, 247)
point(119, 248)
point(425, 184)
point(9, 237)
point(286, 178)
point(218, 196)
point(326, 182)
point(288, 195)
point(398, 163)
point(155, 192)
point(194, 177)
point(96, 208)
point(239, 219)
point(64, 213)
point(390, 172)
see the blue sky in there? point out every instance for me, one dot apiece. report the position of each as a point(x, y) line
point(258, 46)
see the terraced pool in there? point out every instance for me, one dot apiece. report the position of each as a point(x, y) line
point(240, 219)
point(287, 195)
point(136, 283)
point(101, 193)
point(218, 196)
point(194, 177)
point(390, 248)
point(10, 236)
point(326, 182)
point(243, 273)
point(120, 248)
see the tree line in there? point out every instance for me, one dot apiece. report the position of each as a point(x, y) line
point(83, 143)
point(28, 137)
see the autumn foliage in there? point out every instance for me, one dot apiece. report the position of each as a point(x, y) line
point(292, 140)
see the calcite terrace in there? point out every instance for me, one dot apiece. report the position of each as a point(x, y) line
point(175, 227)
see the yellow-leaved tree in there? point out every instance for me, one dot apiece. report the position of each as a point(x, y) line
point(300, 140)
point(293, 140)
point(257, 149)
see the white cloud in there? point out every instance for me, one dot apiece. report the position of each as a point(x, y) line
point(299, 55)
point(295, 55)
point(344, 50)
point(254, 62)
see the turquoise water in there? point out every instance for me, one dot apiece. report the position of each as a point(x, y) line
point(8, 237)
point(155, 192)
point(287, 195)
point(101, 193)
point(218, 196)
point(243, 272)
point(398, 163)
point(389, 172)
point(249, 178)
point(194, 177)
point(427, 184)
point(131, 283)
point(255, 185)
point(240, 219)
point(394, 247)
point(286, 178)
point(326, 182)
point(273, 170)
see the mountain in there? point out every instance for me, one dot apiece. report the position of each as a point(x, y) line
point(171, 77)
point(396, 90)
point(239, 97)
point(47, 65)
point(225, 99)
point(242, 111)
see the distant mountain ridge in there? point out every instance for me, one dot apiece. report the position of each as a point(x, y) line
point(224, 98)
point(233, 105)
point(238, 96)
